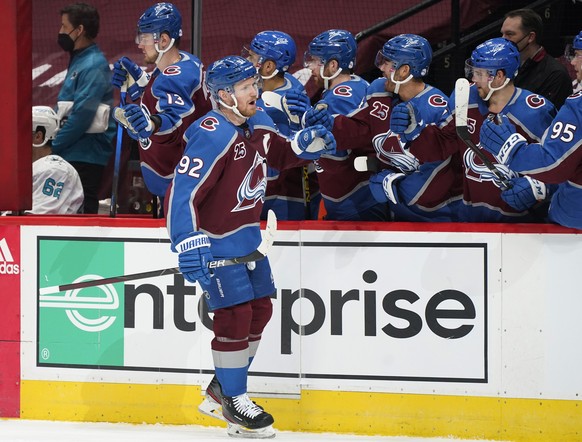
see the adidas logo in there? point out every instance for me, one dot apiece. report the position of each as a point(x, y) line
point(6, 260)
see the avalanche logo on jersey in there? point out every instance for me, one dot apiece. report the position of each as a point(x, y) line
point(172, 70)
point(343, 91)
point(210, 124)
point(254, 185)
point(437, 101)
point(394, 154)
point(480, 173)
point(535, 101)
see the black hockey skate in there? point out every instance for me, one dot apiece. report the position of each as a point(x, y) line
point(212, 404)
point(246, 419)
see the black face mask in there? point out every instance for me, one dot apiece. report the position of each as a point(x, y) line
point(66, 43)
point(523, 38)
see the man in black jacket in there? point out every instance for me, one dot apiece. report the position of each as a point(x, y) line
point(539, 71)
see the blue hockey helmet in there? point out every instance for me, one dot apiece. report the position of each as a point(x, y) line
point(335, 44)
point(571, 48)
point(223, 74)
point(277, 46)
point(162, 17)
point(493, 55)
point(410, 49)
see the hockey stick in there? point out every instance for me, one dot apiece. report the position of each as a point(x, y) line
point(306, 191)
point(261, 252)
point(366, 164)
point(118, 147)
point(272, 99)
point(305, 179)
point(462, 88)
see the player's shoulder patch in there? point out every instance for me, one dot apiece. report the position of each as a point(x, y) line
point(212, 129)
point(535, 101)
point(437, 100)
point(342, 90)
point(172, 70)
point(209, 123)
point(575, 96)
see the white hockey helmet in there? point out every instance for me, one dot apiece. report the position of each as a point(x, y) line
point(47, 118)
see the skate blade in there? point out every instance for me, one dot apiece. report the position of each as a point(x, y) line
point(211, 408)
point(241, 432)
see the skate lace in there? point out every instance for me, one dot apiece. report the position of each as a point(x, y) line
point(245, 406)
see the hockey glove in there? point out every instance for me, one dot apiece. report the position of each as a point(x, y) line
point(119, 116)
point(524, 193)
point(499, 138)
point(405, 121)
point(310, 143)
point(295, 104)
point(194, 256)
point(318, 115)
point(139, 120)
point(381, 186)
point(138, 79)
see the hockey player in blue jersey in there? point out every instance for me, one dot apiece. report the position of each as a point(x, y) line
point(556, 159)
point(346, 194)
point(214, 206)
point(415, 191)
point(170, 98)
point(404, 60)
point(288, 195)
point(492, 67)
point(272, 53)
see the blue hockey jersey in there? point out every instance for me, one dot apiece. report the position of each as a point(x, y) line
point(345, 191)
point(558, 159)
point(178, 97)
point(482, 202)
point(220, 181)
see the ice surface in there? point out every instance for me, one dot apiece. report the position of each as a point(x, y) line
point(43, 431)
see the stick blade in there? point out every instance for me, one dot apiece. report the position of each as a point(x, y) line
point(269, 233)
point(366, 164)
point(462, 89)
point(48, 290)
point(272, 99)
